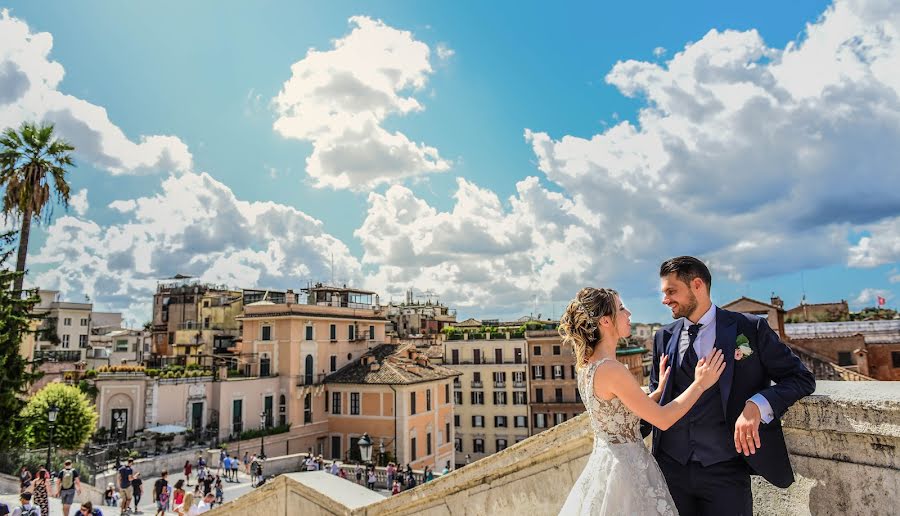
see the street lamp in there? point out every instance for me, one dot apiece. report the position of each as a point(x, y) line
point(381, 460)
point(120, 426)
point(52, 414)
point(262, 435)
point(365, 450)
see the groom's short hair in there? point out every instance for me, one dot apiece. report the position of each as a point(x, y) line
point(686, 268)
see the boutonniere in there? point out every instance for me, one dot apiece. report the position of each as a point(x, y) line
point(742, 348)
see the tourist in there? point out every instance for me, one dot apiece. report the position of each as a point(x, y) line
point(446, 468)
point(358, 472)
point(187, 504)
point(161, 493)
point(253, 464)
point(334, 468)
point(137, 489)
point(391, 473)
point(219, 491)
point(40, 487)
point(206, 504)
point(310, 464)
point(27, 509)
point(371, 479)
point(88, 509)
point(24, 479)
point(110, 496)
point(429, 474)
point(224, 464)
point(178, 495)
point(395, 489)
point(68, 485)
point(246, 463)
point(223, 461)
point(235, 463)
point(342, 473)
point(126, 476)
point(188, 469)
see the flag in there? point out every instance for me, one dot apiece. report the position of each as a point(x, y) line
point(881, 301)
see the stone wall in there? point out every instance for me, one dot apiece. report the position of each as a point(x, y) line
point(843, 442)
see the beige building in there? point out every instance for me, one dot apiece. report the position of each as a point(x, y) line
point(64, 332)
point(215, 328)
point(772, 312)
point(401, 399)
point(490, 395)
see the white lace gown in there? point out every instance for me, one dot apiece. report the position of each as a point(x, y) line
point(621, 476)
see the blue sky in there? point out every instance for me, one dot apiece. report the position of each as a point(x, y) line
point(209, 76)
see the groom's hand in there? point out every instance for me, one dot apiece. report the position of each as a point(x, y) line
point(746, 430)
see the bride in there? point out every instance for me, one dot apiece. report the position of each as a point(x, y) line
point(621, 477)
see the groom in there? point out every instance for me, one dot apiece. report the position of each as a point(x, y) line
point(733, 430)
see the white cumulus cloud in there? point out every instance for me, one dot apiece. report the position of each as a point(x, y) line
point(338, 99)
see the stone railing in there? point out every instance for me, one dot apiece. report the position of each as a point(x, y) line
point(843, 442)
point(824, 369)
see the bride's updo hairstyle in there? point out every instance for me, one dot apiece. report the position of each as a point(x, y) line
point(578, 325)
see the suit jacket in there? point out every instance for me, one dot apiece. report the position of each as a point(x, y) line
point(771, 361)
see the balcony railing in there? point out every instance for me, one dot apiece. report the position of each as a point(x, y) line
point(57, 356)
point(824, 369)
point(316, 379)
point(499, 385)
point(519, 385)
point(477, 385)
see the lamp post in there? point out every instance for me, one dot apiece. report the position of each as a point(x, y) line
point(262, 435)
point(120, 425)
point(52, 414)
point(381, 460)
point(365, 450)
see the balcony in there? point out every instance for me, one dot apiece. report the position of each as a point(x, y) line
point(477, 385)
point(57, 356)
point(308, 380)
point(499, 385)
point(518, 385)
point(842, 442)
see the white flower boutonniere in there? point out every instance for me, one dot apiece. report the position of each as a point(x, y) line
point(742, 348)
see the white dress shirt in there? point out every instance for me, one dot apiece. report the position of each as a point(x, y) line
point(703, 345)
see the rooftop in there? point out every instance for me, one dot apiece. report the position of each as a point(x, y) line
point(390, 364)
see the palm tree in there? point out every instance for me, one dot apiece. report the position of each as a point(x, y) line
point(32, 167)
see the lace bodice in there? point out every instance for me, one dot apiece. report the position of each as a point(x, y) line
point(611, 420)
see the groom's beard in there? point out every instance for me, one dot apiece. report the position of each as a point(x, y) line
point(684, 310)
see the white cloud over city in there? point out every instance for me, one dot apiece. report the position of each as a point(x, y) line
point(338, 100)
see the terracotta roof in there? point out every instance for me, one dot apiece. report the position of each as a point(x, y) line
point(388, 364)
point(750, 299)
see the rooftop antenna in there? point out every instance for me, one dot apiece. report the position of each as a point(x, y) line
point(802, 289)
point(332, 268)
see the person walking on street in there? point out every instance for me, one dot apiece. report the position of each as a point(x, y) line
point(40, 488)
point(188, 469)
point(126, 477)
point(27, 509)
point(161, 494)
point(68, 485)
point(137, 490)
point(372, 479)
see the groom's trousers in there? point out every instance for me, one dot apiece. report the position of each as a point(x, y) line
point(721, 489)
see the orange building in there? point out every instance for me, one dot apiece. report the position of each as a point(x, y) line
point(401, 399)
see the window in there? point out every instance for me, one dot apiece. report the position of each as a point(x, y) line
point(333, 363)
point(308, 370)
point(501, 444)
point(498, 356)
point(428, 444)
point(428, 400)
point(332, 329)
point(457, 444)
point(477, 398)
point(478, 421)
point(476, 356)
point(520, 421)
point(499, 397)
point(577, 395)
point(845, 358)
point(354, 403)
point(309, 333)
point(517, 355)
point(266, 333)
point(478, 446)
point(269, 410)
point(412, 448)
point(446, 393)
point(499, 379)
point(558, 373)
point(519, 398)
point(559, 396)
point(572, 374)
point(265, 366)
point(476, 378)
point(537, 351)
point(351, 332)
point(456, 420)
point(121, 344)
point(500, 421)
point(559, 418)
point(537, 372)
point(557, 350)
point(83, 341)
point(336, 447)
point(206, 322)
point(457, 397)
point(412, 403)
point(518, 377)
point(447, 429)
point(307, 409)
point(372, 332)
point(895, 358)
point(336, 403)
point(206, 303)
point(67, 321)
point(540, 421)
point(65, 341)
point(539, 395)
point(84, 322)
point(454, 356)
point(237, 416)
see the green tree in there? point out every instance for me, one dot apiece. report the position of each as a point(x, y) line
point(74, 425)
point(32, 168)
point(15, 322)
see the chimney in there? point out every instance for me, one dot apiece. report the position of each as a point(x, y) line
point(776, 301)
point(289, 297)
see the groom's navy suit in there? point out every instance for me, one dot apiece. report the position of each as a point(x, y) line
point(697, 454)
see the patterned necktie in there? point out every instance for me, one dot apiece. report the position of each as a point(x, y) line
point(690, 355)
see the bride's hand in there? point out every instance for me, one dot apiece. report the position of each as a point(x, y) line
point(663, 377)
point(709, 368)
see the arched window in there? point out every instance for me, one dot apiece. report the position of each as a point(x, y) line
point(308, 371)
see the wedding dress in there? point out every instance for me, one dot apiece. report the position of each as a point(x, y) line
point(620, 477)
